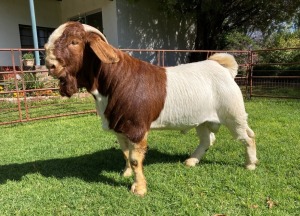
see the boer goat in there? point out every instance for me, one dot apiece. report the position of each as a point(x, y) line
point(133, 96)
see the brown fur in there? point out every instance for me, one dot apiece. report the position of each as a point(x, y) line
point(136, 89)
point(69, 57)
point(136, 92)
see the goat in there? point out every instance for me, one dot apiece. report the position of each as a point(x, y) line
point(133, 96)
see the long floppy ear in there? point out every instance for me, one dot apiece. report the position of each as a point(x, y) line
point(103, 50)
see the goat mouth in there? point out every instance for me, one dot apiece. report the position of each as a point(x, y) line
point(56, 73)
point(62, 80)
point(67, 86)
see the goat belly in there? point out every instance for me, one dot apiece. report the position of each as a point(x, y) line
point(193, 92)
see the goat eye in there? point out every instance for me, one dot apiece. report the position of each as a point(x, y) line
point(74, 42)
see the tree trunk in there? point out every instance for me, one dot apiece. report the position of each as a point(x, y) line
point(207, 23)
point(202, 40)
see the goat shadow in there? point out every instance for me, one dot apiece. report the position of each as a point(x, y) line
point(87, 167)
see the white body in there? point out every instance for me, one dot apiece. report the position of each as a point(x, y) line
point(199, 92)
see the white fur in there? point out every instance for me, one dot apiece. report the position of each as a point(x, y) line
point(197, 93)
point(227, 61)
point(49, 46)
point(101, 103)
point(55, 35)
point(204, 95)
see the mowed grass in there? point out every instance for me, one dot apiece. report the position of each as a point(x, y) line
point(69, 166)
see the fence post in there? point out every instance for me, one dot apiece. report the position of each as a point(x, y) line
point(23, 86)
point(158, 57)
point(249, 85)
point(16, 84)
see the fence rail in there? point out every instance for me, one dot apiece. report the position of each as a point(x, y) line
point(28, 93)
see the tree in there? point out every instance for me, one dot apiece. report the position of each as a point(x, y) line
point(280, 41)
point(214, 19)
point(236, 40)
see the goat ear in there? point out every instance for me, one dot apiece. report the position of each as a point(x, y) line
point(103, 50)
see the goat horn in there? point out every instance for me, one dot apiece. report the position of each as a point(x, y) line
point(89, 28)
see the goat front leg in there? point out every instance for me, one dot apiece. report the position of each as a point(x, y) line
point(124, 144)
point(136, 157)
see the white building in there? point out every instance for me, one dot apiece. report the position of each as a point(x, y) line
point(126, 25)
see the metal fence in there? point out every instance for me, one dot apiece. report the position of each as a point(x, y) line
point(28, 93)
point(275, 73)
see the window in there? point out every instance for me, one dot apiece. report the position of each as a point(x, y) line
point(93, 18)
point(26, 37)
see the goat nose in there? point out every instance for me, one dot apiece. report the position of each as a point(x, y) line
point(50, 66)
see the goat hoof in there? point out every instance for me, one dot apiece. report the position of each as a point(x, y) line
point(139, 190)
point(250, 166)
point(127, 172)
point(191, 162)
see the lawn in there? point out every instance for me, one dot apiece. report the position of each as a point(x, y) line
point(69, 166)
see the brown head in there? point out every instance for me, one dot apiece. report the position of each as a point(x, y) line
point(67, 50)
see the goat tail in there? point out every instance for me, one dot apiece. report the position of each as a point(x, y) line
point(227, 61)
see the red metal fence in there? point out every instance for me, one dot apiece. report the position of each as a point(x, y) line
point(275, 73)
point(28, 93)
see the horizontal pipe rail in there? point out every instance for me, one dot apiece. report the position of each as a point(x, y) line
point(28, 93)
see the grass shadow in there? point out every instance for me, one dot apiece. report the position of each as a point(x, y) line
point(87, 167)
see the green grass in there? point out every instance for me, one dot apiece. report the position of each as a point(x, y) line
point(276, 91)
point(69, 166)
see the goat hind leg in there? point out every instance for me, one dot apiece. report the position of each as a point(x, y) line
point(247, 136)
point(251, 159)
point(206, 140)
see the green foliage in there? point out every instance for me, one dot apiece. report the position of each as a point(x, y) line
point(216, 19)
point(239, 41)
point(282, 56)
point(28, 55)
point(283, 39)
point(30, 82)
point(69, 166)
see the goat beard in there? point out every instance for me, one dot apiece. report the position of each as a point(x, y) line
point(67, 85)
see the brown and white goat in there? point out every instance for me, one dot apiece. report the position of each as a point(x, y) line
point(133, 96)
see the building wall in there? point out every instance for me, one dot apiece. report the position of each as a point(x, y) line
point(73, 8)
point(139, 25)
point(15, 12)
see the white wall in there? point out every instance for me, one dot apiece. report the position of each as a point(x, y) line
point(110, 24)
point(73, 8)
point(15, 12)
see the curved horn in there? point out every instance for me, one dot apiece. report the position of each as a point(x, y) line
point(89, 28)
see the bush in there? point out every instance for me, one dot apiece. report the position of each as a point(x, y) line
point(30, 82)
